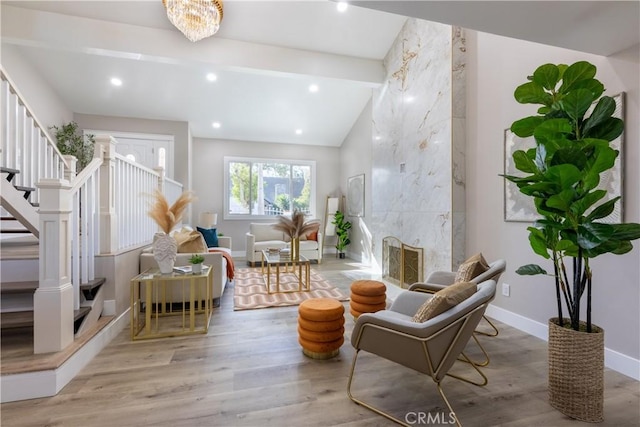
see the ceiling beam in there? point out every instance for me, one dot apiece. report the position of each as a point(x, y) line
point(90, 36)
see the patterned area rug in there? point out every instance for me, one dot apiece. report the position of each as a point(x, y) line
point(251, 290)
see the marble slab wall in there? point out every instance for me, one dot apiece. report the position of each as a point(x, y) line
point(418, 144)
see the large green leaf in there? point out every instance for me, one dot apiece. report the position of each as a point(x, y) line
point(571, 154)
point(525, 127)
point(629, 231)
point(562, 200)
point(593, 234)
point(538, 189)
point(604, 109)
point(565, 176)
point(565, 245)
point(523, 162)
point(531, 270)
point(608, 130)
point(575, 73)
point(547, 76)
point(604, 159)
point(538, 242)
point(532, 93)
point(577, 102)
point(617, 247)
point(594, 86)
point(579, 207)
point(604, 210)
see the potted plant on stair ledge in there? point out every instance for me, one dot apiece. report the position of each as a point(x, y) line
point(562, 176)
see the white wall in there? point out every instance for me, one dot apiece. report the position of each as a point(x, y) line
point(355, 155)
point(46, 105)
point(180, 131)
point(208, 176)
point(496, 66)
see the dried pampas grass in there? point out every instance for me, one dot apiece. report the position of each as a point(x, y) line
point(168, 216)
point(295, 226)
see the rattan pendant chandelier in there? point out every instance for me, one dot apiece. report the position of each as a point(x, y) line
point(196, 19)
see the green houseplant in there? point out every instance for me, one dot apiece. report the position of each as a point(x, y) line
point(196, 261)
point(71, 142)
point(561, 175)
point(342, 231)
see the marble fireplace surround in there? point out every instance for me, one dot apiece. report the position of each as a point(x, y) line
point(417, 174)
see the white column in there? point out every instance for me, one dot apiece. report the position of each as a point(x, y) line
point(108, 217)
point(53, 300)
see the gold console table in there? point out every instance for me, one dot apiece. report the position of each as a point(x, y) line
point(156, 312)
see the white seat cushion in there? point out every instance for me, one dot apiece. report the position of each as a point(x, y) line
point(279, 244)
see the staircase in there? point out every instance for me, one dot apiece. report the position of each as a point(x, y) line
point(20, 260)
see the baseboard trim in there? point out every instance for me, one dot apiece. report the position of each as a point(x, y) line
point(614, 360)
point(32, 385)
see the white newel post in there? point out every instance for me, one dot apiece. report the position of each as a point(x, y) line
point(53, 300)
point(108, 217)
point(70, 172)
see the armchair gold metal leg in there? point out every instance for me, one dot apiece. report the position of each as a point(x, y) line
point(381, 412)
point(485, 380)
point(486, 360)
point(489, 334)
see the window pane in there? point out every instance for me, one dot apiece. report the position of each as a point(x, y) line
point(301, 188)
point(239, 189)
point(269, 188)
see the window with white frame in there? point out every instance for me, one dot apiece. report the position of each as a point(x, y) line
point(257, 188)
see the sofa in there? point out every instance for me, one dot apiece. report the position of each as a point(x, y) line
point(214, 258)
point(263, 236)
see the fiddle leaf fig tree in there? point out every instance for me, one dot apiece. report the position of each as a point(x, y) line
point(562, 174)
point(342, 231)
point(71, 142)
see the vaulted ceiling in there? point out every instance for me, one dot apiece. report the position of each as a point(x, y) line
point(266, 56)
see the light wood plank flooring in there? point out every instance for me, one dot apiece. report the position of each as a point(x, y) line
point(249, 371)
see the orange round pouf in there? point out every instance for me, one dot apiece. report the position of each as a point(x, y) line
point(367, 296)
point(320, 327)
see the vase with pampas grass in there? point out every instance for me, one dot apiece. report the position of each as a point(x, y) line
point(165, 247)
point(295, 227)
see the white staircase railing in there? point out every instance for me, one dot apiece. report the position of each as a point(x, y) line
point(26, 145)
point(134, 184)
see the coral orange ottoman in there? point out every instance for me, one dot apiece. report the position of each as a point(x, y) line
point(367, 296)
point(321, 327)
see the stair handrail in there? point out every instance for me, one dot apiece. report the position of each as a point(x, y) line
point(43, 129)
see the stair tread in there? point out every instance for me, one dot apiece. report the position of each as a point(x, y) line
point(21, 188)
point(8, 218)
point(91, 284)
point(15, 231)
point(78, 314)
point(16, 319)
point(18, 287)
point(23, 319)
point(4, 169)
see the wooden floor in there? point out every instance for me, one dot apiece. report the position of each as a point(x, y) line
point(249, 371)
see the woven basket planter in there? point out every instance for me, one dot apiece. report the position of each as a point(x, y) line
point(576, 371)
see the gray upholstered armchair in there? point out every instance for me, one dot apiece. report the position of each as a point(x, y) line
point(430, 347)
point(438, 280)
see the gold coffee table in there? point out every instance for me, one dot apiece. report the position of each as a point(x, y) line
point(285, 265)
point(156, 312)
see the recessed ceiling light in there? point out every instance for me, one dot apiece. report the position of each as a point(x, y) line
point(409, 99)
point(212, 77)
point(313, 88)
point(116, 81)
point(342, 6)
point(216, 125)
point(298, 131)
point(378, 137)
